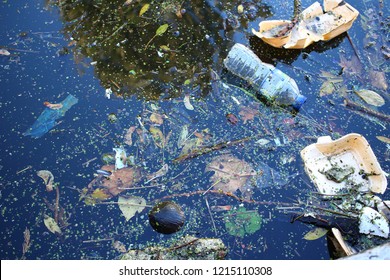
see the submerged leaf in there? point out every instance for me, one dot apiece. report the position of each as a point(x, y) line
point(230, 174)
point(144, 9)
point(315, 234)
point(239, 222)
point(158, 136)
point(378, 79)
point(131, 205)
point(371, 97)
point(161, 30)
point(51, 224)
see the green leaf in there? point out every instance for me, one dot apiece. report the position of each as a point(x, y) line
point(144, 9)
point(239, 222)
point(161, 30)
point(315, 234)
point(131, 205)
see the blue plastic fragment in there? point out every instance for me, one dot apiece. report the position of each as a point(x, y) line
point(47, 120)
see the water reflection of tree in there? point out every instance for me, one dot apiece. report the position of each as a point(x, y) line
point(114, 36)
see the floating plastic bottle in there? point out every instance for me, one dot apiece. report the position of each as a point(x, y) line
point(268, 81)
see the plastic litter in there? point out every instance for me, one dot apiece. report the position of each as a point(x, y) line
point(47, 119)
point(268, 81)
point(315, 24)
point(348, 162)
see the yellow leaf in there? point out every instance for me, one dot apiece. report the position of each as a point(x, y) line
point(384, 139)
point(100, 194)
point(51, 224)
point(158, 136)
point(165, 48)
point(315, 234)
point(144, 9)
point(156, 118)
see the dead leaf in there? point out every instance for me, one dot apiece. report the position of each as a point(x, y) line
point(129, 134)
point(378, 79)
point(156, 118)
point(352, 66)
point(48, 179)
point(315, 234)
point(248, 114)
point(4, 52)
point(158, 136)
point(51, 224)
point(187, 102)
point(230, 174)
point(131, 205)
point(384, 139)
point(371, 97)
point(329, 85)
point(119, 246)
point(119, 180)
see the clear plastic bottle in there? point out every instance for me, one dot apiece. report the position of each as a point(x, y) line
point(270, 82)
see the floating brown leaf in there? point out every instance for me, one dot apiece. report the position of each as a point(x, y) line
point(230, 174)
point(119, 181)
point(129, 134)
point(248, 114)
point(371, 97)
point(378, 79)
point(156, 118)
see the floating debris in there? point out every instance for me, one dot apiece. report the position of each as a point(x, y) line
point(166, 217)
point(47, 120)
point(312, 25)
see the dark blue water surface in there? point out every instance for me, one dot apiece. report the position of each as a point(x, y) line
point(51, 53)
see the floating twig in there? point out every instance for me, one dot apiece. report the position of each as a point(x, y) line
point(355, 106)
point(211, 215)
point(220, 192)
point(98, 240)
point(205, 150)
point(24, 169)
point(86, 164)
point(57, 204)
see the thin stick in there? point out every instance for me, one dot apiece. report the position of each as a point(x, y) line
point(182, 245)
point(355, 106)
point(86, 164)
point(124, 203)
point(98, 240)
point(202, 151)
point(211, 215)
point(353, 47)
point(24, 169)
point(227, 194)
point(56, 206)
